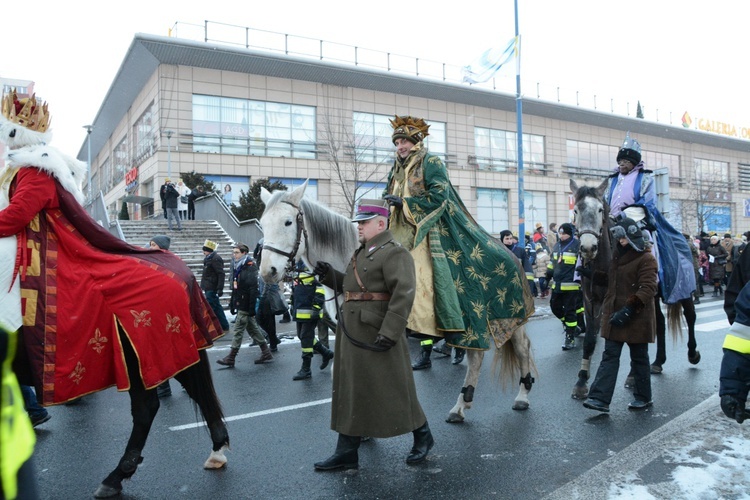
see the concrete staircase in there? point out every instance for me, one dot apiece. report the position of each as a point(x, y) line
point(187, 244)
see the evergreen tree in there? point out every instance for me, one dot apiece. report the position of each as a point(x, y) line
point(639, 111)
point(193, 179)
point(124, 212)
point(250, 205)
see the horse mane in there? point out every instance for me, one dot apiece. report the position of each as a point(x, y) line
point(327, 236)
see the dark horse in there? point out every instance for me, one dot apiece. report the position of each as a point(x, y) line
point(592, 221)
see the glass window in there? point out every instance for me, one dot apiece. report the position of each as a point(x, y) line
point(535, 207)
point(120, 162)
point(582, 157)
point(372, 138)
point(664, 160)
point(245, 127)
point(711, 171)
point(144, 137)
point(311, 191)
point(238, 183)
point(497, 149)
point(369, 190)
point(492, 210)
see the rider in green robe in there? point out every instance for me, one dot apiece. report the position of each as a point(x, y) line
point(470, 288)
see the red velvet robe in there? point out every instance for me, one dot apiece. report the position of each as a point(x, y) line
point(78, 283)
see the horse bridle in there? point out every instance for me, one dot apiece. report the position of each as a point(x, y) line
point(301, 233)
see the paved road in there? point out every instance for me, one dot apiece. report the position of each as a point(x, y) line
point(279, 428)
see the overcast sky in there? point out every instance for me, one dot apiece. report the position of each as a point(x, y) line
point(671, 55)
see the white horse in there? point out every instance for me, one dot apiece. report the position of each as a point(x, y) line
point(297, 228)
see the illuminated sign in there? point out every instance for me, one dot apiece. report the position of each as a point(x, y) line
point(131, 180)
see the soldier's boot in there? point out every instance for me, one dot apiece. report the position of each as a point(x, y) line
point(325, 353)
point(345, 456)
point(228, 360)
point(304, 372)
point(423, 361)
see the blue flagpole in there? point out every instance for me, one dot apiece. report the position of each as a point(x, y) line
point(519, 134)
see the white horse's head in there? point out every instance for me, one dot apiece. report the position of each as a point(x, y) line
point(589, 216)
point(282, 224)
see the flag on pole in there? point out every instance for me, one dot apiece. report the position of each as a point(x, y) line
point(490, 62)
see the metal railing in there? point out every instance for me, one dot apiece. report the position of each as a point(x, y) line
point(305, 47)
point(212, 207)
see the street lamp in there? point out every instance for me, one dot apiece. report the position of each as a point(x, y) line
point(89, 128)
point(169, 152)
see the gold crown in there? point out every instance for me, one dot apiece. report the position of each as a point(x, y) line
point(407, 127)
point(26, 112)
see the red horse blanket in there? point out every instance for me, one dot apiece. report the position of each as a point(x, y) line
point(78, 283)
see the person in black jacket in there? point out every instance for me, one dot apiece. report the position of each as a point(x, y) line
point(171, 195)
point(196, 193)
point(163, 196)
point(212, 280)
point(242, 303)
point(734, 378)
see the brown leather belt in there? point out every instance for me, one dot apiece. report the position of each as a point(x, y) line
point(366, 296)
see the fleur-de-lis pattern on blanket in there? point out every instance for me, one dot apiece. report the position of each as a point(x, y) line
point(141, 318)
point(173, 323)
point(98, 341)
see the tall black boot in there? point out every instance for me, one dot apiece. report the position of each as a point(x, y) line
point(304, 372)
point(423, 361)
point(325, 353)
point(345, 456)
point(423, 443)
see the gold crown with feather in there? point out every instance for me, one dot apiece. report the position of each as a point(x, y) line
point(26, 112)
point(409, 128)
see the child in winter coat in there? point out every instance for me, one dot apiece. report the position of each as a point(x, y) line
point(540, 270)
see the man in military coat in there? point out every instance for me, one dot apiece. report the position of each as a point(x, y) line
point(373, 385)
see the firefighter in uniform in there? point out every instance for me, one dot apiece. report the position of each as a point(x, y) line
point(566, 290)
point(308, 298)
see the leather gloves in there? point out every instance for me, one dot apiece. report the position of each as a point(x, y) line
point(622, 317)
point(321, 269)
point(394, 201)
point(585, 272)
point(733, 408)
point(384, 341)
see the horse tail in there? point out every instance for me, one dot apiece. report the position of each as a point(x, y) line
point(199, 384)
point(674, 320)
point(510, 358)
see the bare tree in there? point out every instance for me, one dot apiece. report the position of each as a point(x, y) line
point(706, 190)
point(353, 158)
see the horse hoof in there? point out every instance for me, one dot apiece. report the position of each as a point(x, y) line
point(630, 383)
point(694, 359)
point(657, 369)
point(521, 405)
point(454, 418)
point(580, 392)
point(104, 491)
point(217, 459)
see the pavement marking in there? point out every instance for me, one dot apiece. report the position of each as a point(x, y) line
point(712, 326)
point(254, 414)
point(594, 483)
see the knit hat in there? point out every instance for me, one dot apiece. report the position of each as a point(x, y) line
point(504, 233)
point(210, 246)
point(566, 228)
point(628, 228)
point(630, 150)
point(162, 241)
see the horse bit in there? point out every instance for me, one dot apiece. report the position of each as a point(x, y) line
point(301, 233)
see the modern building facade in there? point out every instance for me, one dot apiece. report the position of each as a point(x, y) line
point(238, 114)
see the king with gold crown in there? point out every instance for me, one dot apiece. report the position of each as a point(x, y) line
point(75, 292)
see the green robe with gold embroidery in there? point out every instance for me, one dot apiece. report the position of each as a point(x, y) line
point(472, 289)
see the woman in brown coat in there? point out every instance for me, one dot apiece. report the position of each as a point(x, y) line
point(717, 258)
point(628, 317)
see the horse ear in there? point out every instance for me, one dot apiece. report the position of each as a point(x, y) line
point(602, 188)
point(296, 196)
point(265, 195)
point(573, 186)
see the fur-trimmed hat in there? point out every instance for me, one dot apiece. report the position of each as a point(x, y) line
point(630, 150)
point(629, 229)
point(161, 241)
point(210, 246)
